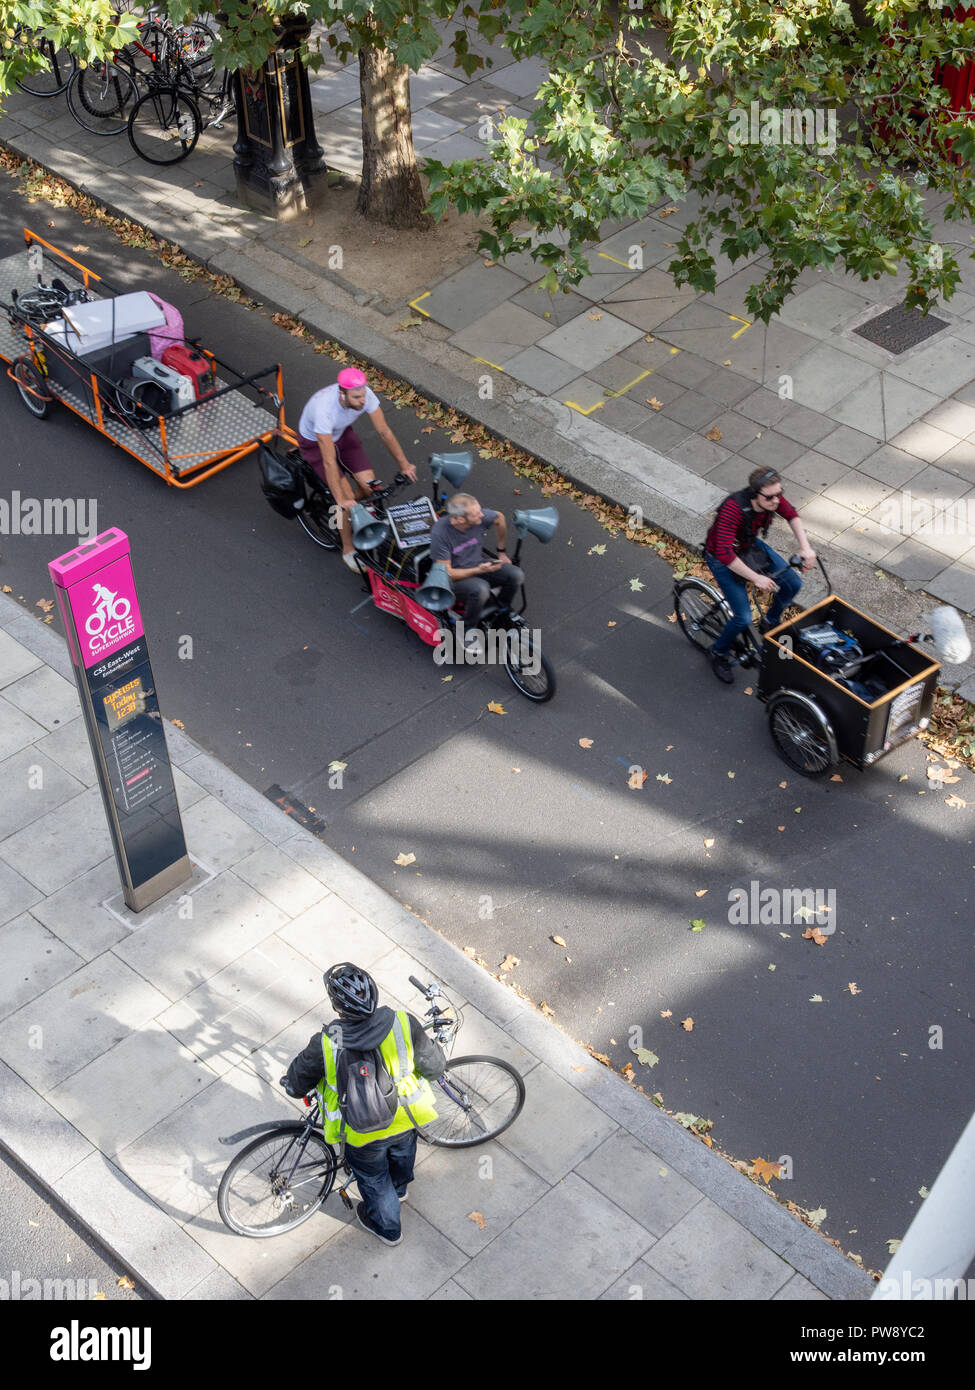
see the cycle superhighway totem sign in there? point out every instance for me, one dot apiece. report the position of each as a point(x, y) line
point(100, 611)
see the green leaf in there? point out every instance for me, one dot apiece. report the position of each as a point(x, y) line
point(697, 924)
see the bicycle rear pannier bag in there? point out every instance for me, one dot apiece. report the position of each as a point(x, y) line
point(281, 482)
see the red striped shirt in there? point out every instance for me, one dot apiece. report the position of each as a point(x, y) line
point(722, 539)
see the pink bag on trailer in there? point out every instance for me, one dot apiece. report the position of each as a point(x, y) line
point(171, 332)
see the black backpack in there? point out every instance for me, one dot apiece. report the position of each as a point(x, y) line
point(282, 481)
point(366, 1091)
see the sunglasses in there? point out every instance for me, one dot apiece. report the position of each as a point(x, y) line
point(770, 496)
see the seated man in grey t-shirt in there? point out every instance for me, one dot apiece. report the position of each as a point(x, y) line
point(456, 540)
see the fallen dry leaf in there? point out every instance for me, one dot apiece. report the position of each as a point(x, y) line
point(594, 318)
point(836, 777)
point(700, 892)
point(955, 802)
point(714, 434)
point(549, 1013)
point(687, 1024)
point(509, 962)
point(47, 604)
point(478, 1219)
point(627, 1071)
point(765, 1170)
point(585, 743)
point(177, 723)
point(666, 1013)
point(654, 404)
point(404, 859)
point(637, 779)
point(667, 212)
point(124, 1282)
point(558, 940)
point(935, 774)
point(427, 429)
point(814, 934)
point(495, 708)
point(853, 988)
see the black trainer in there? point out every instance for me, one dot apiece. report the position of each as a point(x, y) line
point(765, 626)
point(722, 668)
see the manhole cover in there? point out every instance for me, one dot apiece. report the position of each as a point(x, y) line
point(899, 328)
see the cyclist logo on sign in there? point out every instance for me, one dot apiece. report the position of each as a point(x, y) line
point(110, 608)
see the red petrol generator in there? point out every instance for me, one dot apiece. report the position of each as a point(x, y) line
point(189, 362)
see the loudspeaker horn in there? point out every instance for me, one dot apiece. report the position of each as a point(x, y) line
point(436, 592)
point(453, 467)
point(540, 522)
point(367, 532)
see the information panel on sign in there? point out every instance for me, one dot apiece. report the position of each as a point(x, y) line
point(411, 522)
point(99, 607)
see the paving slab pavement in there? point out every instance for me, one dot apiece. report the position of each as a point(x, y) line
point(130, 1043)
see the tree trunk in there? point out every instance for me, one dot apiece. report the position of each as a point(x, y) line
point(391, 191)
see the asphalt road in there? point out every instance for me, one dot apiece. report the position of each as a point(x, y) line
point(521, 834)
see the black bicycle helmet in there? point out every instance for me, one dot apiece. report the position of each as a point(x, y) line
point(352, 992)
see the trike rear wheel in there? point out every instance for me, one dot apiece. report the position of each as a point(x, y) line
point(802, 736)
point(523, 651)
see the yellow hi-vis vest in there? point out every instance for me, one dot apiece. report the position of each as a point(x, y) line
point(412, 1090)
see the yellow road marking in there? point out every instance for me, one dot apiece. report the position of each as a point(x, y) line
point(415, 303)
point(607, 257)
point(495, 365)
point(573, 406)
point(741, 330)
point(623, 389)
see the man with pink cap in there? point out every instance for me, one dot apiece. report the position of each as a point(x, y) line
point(325, 434)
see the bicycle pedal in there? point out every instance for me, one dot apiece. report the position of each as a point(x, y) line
point(343, 1193)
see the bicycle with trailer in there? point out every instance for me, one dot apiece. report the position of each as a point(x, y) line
point(115, 361)
point(282, 1177)
point(836, 684)
point(392, 547)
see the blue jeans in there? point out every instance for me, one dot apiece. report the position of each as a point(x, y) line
point(736, 593)
point(382, 1170)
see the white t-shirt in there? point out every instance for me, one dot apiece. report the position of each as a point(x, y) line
point(324, 414)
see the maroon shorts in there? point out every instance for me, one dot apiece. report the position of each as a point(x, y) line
point(348, 447)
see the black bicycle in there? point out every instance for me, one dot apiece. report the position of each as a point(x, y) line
point(702, 612)
point(283, 1177)
point(51, 74)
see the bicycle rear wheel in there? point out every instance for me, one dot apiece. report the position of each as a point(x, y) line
point(700, 613)
point(315, 517)
point(278, 1181)
point(164, 126)
point(476, 1099)
point(100, 98)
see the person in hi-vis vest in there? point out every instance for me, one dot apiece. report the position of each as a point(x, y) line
point(382, 1161)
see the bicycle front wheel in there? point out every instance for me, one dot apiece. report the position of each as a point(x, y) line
point(700, 613)
point(100, 98)
point(164, 126)
point(476, 1099)
point(278, 1181)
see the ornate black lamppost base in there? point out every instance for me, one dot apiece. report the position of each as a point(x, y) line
point(279, 163)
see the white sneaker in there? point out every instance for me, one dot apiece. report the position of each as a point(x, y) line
point(351, 561)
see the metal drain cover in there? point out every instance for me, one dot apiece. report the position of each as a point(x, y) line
point(899, 328)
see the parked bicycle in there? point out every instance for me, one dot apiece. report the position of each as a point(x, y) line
point(52, 68)
point(283, 1177)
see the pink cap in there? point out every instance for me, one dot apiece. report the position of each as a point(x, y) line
point(351, 379)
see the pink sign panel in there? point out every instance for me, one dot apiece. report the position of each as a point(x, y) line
point(97, 581)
